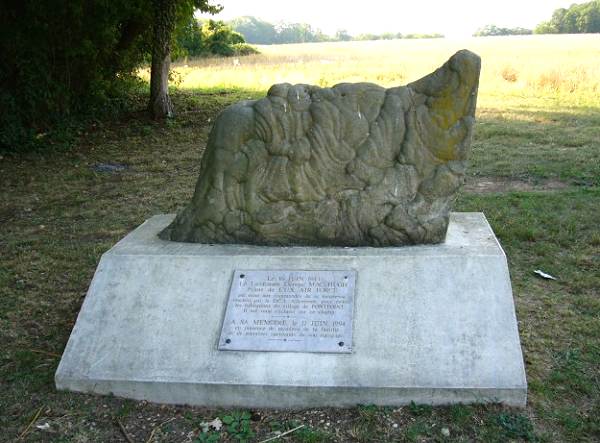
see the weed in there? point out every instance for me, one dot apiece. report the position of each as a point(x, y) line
point(416, 430)
point(516, 426)
point(277, 426)
point(208, 437)
point(312, 435)
point(125, 409)
point(239, 426)
point(370, 418)
point(368, 414)
point(419, 410)
point(461, 414)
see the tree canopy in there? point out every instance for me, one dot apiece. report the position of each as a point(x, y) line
point(65, 59)
point(257, 31)
point(260, 32)
point(198, 38)
point(493, 30)
point(578, 19)
point(61, 57)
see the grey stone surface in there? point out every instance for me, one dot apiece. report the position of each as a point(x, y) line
point(433, 324)
point(351, 165)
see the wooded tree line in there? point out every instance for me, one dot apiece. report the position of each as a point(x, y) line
point(261, 32)
point(493, 30)
point(581, 18)
point(63, 60)
point(257, 31)
point(578, 19)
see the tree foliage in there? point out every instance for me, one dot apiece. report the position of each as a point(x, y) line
point(578, 19)
point(257, 31)
point(342, 35)
point(254, 30)
point(64, 59)
point(394, 36)
point(198, 38)
point(299, 33)
point(493, 30)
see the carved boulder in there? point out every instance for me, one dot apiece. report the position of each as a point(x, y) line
point(350, 165)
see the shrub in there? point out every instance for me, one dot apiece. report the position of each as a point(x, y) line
point(211, 37)
point(66, 60)
point(510, 74)
point(62, 60)
point(244, 49)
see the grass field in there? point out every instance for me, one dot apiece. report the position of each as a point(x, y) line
point(563, 68)
point(535, 173)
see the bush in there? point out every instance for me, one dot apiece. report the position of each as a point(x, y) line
point(244, 49)
point(63, 60)
point(211, 37)
point(509, 74)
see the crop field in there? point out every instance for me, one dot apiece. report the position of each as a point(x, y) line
point(534, 172)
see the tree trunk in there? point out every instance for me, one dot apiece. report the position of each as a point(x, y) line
point(160, 105)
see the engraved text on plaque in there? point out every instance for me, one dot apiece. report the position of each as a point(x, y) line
point(293, 311)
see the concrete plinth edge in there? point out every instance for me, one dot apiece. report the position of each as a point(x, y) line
point(433, 324)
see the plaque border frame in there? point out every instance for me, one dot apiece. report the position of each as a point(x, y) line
point(346, 351)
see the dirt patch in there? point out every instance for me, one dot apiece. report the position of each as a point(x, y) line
point(485, 185)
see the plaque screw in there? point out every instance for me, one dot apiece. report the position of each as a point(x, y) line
point(341, 344)
point(242, 275)
point(228, 341)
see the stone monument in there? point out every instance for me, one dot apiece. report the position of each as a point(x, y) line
point(287, 281)
point(351, 165)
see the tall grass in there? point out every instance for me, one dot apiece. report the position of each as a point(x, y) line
point(565, 68)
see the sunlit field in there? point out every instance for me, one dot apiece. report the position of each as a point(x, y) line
point(565, 67)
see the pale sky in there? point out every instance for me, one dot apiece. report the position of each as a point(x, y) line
point(449, 17)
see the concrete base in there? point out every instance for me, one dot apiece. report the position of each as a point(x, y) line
point(432, 324)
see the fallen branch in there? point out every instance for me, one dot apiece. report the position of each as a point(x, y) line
point(282, 434)
point(39, 351)
point(158, 427)
point(26, 430)
point(124, 431)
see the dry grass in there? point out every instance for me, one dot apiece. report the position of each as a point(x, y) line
point(565, 68)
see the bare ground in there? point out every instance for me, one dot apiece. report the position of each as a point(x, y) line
point(487, 185)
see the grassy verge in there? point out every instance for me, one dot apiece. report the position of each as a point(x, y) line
point(59, 212)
